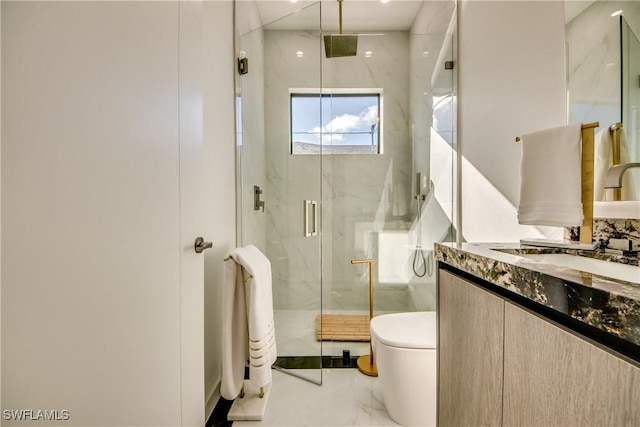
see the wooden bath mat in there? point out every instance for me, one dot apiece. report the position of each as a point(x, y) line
point(342, 327)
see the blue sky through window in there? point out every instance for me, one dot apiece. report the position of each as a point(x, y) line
point(345, 120)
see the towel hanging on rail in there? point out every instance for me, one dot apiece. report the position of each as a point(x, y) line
point(550, 177)
point(248, 330)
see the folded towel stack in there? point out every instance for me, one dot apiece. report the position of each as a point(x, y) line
point(550, 178)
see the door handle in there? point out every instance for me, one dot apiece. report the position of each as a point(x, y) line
point(308, 231)
point(200, 245)
point(305, 215)
point(314, 211)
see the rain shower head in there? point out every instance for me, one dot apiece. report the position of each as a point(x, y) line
point(337, 45)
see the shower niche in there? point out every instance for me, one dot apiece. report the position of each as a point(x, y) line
point(336, 142)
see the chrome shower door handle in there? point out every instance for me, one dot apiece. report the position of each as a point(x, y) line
point(313, 221)
point(200, 245)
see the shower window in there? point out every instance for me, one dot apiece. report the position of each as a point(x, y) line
point(348, 122)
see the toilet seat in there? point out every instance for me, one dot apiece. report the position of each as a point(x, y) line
point(415, 330)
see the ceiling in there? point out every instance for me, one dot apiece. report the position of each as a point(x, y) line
point(357, 15)
point(574, 7)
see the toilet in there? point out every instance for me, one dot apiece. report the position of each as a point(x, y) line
point(404, 347)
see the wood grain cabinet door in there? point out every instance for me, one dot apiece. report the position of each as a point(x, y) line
point(555, 378)
point(470, 354)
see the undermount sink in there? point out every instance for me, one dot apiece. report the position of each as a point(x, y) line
point(614, 270)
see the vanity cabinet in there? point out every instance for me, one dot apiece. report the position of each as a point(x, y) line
point(501, 364)
point(470, 346)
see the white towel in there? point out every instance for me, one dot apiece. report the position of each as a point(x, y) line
point(550, 178)
point(604, 160)
point(248, 331)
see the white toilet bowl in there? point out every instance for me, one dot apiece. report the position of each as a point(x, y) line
point(404, 347)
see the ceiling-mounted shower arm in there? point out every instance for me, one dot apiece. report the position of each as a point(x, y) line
point(340, 15)
point(339, 45)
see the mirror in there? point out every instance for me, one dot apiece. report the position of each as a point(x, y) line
point(603, 57)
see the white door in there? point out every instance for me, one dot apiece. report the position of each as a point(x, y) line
point(101, 288)
point(191, 216)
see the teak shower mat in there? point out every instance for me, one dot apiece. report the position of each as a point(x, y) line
point(342, 327)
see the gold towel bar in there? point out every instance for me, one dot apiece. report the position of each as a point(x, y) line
point(584, 126)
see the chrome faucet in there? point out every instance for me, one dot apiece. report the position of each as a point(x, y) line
point(613, 177)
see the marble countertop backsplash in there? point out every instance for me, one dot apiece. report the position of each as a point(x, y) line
point(610, 305)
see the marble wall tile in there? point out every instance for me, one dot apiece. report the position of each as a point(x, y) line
point(351, 188)
point(358, 194)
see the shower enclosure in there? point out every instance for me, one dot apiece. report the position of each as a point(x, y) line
point(353, 157)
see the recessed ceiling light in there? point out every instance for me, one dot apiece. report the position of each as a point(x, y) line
point(368, 54)
point(425, 53)
point(293, 1)
point(616, 13)
point(384, 1)
point(299, 54)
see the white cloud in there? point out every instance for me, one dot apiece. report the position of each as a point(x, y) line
point(347, 123)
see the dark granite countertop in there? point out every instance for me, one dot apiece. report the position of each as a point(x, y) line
point(610, 305)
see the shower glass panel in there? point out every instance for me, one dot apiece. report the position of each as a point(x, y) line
point(287, 231)
point(374, 206)
point(355, 157)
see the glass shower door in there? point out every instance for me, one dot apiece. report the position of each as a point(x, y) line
point(388, 174)
point(279, 163)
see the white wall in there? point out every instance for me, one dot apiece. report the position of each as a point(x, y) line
point(512, 80)
point(83, 334)
point(90, 204)
point(219, 175)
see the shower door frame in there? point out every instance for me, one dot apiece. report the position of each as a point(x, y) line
point(299, 240)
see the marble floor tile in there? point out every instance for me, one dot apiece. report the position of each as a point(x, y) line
point(346, 398)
